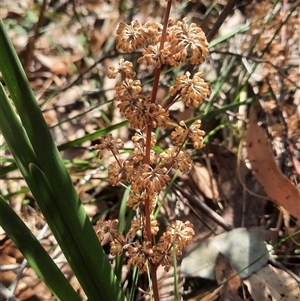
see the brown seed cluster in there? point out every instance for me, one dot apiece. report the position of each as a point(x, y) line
point(142, 253)
point(183, 41)
point(148, 171)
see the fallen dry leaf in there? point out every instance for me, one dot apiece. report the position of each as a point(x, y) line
point(272, 282)
point(204, 181)
point(232, 285)
point(277, 186)
point(235, 182)
point(56, 64)
point(244, 248)
point(212, 295)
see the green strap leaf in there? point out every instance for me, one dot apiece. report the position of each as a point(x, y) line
point(68, 213)
point(35, 254)
point(58, 222)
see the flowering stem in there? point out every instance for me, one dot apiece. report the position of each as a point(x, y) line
point(148, 149)
point(162, 42)
point(154, 282)
point(149, 128)
point(172, 45)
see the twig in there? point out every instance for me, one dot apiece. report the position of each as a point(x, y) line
point(226, 11)
point(205, 209)
point(153, 269)
point(81, 75)
point(30, 47)
point(5, 292)
point(279, 265)
point(257, 60)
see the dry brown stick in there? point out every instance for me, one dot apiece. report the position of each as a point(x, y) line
point(32, 40)
point(205, 209)
point(258, 60)
point(147, 157)
point(226, 11)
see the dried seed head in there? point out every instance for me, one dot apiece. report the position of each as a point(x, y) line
point(124, 68)
point(117, 245)
point(180, 134)
point(191, 39)
point(140, 138)
point(128, 90)
point(176, 158)
point(193, 91)
point(135, 200)
point(196, 134)
point(103, 227)
point(131, 37)
point(110, 144)
point(163, 255)
point(180, 233)
point(138, 255)
point(115, 172)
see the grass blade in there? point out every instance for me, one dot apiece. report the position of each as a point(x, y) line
point(102, 283)
point(35, 254)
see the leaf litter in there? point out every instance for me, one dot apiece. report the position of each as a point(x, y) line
point(239, 199)
point(244, 248)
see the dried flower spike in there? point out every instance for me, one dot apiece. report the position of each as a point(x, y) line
point(146, 169)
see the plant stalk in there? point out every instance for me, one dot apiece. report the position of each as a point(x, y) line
point(148, 150)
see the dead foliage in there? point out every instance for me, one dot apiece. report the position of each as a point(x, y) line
point(247, 175)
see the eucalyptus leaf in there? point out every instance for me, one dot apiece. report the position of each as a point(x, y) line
point(270, 281)
point(244, 248)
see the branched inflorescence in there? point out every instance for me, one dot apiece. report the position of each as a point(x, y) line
point(146, 170)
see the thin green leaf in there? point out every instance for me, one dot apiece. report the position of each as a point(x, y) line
point(15, 136)
point(35, 254)
point(57, 223)
point(215, 112)
point(4, 170)
point(121, 227)
point(92, 136)
point(230, 34)
point(101, 276)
